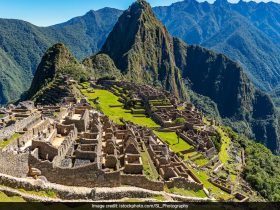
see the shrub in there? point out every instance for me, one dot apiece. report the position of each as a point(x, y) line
point(179, 121)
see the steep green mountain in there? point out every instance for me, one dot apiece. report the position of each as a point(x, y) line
point(140, 47)
point(55, 58)
point(247, 32)
point(18, 56)
point(49, 84)
point(102, 66)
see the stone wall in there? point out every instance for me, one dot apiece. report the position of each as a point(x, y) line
point(141, 181)
point(38, 185)
point(64, 129)
point(82, 123)
point(187, 139)
point(133, 164)
point(46, 150)
point(194, 177)
point(19, 125)
point(87, 175)
point(88, 155)
point(213, 161)
point(14, 164)
point(28, 135)
point(184, 183)
point(216, 182)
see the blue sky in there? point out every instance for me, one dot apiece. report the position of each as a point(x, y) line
point(49, 12)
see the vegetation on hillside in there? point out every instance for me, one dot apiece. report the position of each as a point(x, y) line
point(13, 80)
point(20, 57)
point(218, 79)
point(250, 36)
point(56, 57)
point(102, 66)
point(262, 169)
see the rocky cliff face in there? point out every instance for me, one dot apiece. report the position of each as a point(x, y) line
point(224, 82)
point(142, 49)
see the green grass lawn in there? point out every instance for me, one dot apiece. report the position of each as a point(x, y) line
point(108, 99)
point(224, 156)
point(171, 139)
point(190, 193)
point(50, 194)
point(5, 198)
point(149, 168)
point(3, 144)
point(133, 200)
point(159, 197)
point(201, 162)
point(217, 192)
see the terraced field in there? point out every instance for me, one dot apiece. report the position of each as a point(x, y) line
point(172, 140)
point(110, 106)
point(5, 198)
point(190, 193)
point(215, 191)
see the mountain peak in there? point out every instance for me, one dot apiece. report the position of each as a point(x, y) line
point(60, 55)
point(142, 3)
point(140, 7)
point(221, 2)
point(142, 48)
point(54, 59)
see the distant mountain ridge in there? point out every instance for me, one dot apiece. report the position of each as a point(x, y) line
point(247, 32)
point(23, 44)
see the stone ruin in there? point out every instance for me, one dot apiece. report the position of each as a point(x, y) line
point(85, 148)
point(162, 107)
point(18, 118)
